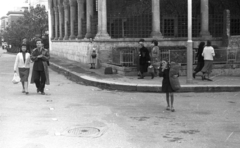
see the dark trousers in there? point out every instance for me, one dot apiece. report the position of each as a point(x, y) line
point(40, 80)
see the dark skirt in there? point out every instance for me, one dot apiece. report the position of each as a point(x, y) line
point(199, 67)
point(143, 68)
point(24, 73)
point(166, 85)
point(208, 64)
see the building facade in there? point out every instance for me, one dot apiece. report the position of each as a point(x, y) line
point(14, 16)
point(121, 23)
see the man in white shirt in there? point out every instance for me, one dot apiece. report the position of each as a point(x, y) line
point(208, 54)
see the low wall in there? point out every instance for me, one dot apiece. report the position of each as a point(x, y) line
point(78, 50)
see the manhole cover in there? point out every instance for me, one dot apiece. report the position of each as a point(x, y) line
point(83, 132)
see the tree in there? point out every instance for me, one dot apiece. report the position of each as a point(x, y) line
point(37, 21)
point(15, 33)
point(34, 22)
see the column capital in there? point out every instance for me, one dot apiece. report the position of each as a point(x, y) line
point(72, 3)
point(80, 1)
point(66, 4)
point(60, 7)
point(56, 10)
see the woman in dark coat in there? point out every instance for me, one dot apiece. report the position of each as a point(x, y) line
point(200, 62)
point(144, 59)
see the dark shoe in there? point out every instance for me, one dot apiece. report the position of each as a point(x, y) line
point(91, 67)
point(152, 75)
point(27, 93)
point(42, 93)
point(172, 109)
point(168, 108)
point(38, 90)
point(23, 91)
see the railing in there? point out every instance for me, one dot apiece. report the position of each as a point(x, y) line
point(128, 56)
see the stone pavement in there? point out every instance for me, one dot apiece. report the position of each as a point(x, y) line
point(96, 77)
point(78, 116)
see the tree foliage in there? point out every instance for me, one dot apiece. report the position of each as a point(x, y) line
point(33, 23)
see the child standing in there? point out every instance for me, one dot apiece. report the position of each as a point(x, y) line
point(170, 83)
point(93, 58)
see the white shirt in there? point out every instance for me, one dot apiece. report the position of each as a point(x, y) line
point(19, 62)
point(208, 53)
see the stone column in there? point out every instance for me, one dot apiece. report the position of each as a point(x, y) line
point(102, 16)
point(61, 18)
point(189, 45)
point(66, 19)
point(52, 23)
point(56, 23)
point(72, 17)
point(205, 34)
point(80, 17)
point(226, 28)
point(89, 16)
point(156, 33)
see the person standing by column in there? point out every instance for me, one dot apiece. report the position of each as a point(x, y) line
point(200, 62)
point(40, 75)
point(144, 59)
point(155, 54)
point(208, 54)
point(22, 62)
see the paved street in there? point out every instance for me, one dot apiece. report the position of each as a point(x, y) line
point(77, 116)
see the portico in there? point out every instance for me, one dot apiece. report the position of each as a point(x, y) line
point(114, 23)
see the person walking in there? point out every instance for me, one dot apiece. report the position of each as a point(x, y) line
point(40, 74)
point(200, 62)
point(22, 65)
point(144, 60)
point(208, 54)
point(170, 82)
point(155, 56)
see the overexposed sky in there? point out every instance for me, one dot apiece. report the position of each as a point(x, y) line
point(9, 5)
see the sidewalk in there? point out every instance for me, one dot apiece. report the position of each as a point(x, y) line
point(96, 77)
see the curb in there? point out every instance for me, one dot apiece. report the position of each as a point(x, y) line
point(91, 81)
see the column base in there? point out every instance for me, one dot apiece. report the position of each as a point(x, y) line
point(80, 37)
point(103, 36)
point(156, 35)
point(89, 35)
point(65, 38)
point(72, 37)
point(206, 35)
point(56, 38)
point(60, 38)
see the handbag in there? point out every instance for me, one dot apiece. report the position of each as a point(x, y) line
point(150, 69)
point(16, 78)
point(174, 81)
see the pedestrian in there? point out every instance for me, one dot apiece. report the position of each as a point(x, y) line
point(92, 52)
point(170, 82)
point(144, 60)
point(40, 74)
point(93, 58)
point(22, 65)
point(200, 62)
point(26, 42)
point(155, 56)
point(208, 54)
point(45, 42)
